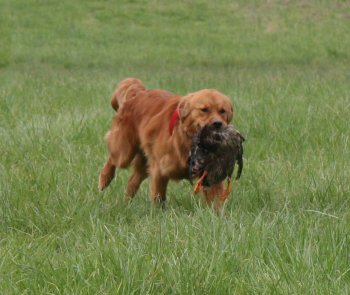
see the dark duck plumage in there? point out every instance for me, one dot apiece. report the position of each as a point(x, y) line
point(213, 156)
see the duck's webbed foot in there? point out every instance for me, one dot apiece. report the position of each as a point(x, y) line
point(198, 185)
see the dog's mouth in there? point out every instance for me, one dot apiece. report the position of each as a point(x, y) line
point(194, 129)
point(196, 172)
point(195, 168)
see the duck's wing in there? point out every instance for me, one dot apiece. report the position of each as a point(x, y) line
point(240, 157)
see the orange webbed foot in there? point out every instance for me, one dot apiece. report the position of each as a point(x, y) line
point(198, 185)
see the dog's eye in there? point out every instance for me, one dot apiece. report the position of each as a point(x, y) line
point(222, 111)
point(205, 110)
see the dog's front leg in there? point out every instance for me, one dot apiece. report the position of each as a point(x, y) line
point(214, 195)
point(158, 185)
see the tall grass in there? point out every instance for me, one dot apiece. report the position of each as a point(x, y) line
point(285, 228)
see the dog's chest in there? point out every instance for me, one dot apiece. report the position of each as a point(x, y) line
point(175, 169)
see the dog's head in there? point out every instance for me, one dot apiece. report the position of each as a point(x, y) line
point(206, 107)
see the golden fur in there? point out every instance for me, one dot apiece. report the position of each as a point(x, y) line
point(140, 135)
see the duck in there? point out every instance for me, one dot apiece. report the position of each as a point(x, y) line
point(213, 156)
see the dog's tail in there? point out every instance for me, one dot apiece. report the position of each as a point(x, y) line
point(125, 90)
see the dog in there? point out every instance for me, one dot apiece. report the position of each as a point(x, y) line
point(153, 130)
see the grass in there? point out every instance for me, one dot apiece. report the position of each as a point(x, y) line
point(286, 226)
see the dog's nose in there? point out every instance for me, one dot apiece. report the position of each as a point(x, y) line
point(217, 124)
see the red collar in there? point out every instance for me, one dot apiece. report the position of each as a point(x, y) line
point(174, 118)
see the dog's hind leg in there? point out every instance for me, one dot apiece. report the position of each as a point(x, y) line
point(122, 151)
point(139, 174)
point(106, 174)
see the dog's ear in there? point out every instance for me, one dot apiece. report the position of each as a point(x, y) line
point(230, 113)
point(184, 107)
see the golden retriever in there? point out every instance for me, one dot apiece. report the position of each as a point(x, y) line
point(153, 131)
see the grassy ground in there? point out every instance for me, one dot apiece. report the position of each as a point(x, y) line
point(286, 226)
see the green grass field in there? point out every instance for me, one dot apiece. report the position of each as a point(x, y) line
point(286, 226)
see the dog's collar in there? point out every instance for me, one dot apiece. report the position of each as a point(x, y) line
point(174, 118)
